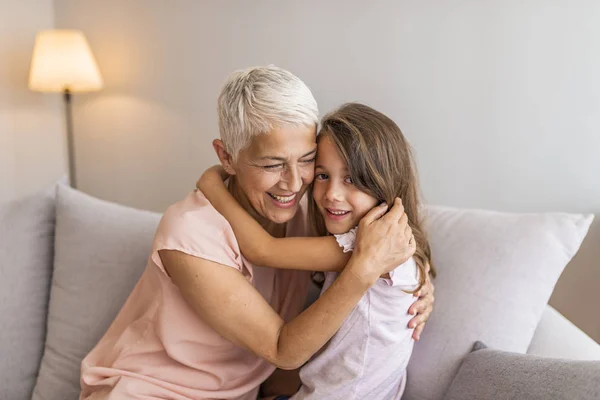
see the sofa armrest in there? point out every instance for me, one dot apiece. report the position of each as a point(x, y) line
point(557, 337)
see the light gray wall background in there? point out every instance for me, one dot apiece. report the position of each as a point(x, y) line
point(32, 143)
point(500, 98)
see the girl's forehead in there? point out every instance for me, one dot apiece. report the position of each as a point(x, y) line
point(328, 154)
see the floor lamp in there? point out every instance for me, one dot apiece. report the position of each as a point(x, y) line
point(63, 62)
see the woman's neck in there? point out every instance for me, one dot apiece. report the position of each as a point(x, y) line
point(275, 230)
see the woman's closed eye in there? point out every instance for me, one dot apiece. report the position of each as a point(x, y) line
point(272, 167)
point(279, 166)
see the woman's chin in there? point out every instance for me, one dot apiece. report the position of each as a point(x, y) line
point(281, 216)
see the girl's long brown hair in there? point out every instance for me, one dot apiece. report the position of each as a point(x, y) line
point(381, 164)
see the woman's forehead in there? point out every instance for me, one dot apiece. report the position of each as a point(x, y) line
point(285, 142)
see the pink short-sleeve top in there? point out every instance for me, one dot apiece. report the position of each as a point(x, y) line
point(158, 346)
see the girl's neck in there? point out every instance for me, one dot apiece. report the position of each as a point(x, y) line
point(275, 230)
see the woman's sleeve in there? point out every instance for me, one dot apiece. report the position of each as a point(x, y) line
point(201, 233)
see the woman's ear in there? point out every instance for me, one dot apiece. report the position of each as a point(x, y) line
point(224, 157)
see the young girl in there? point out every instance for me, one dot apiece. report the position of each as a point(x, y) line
point(362, 160)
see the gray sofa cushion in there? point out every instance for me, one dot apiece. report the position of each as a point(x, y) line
point(101, 250)
point(496, 272)
point(487, 374)
point(26, 247)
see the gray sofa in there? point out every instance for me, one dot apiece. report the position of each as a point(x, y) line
point(68, 262)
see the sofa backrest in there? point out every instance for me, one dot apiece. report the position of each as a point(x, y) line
point(101, 250)
point(26, 252)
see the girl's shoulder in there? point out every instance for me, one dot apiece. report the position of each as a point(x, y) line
point(406, 276)
point(347, 240)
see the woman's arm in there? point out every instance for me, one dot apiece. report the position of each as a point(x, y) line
point(316, 254)
point(229, 303)
point(225, 300)
point(258, 246)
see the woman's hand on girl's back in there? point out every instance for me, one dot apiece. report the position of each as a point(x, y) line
point(383, 241)
point(422, 308)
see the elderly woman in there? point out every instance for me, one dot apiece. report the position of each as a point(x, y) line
point(203, 322)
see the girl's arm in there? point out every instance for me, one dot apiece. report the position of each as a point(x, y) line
point(259, 247)
point(229, 304)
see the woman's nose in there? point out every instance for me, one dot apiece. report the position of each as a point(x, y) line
point(293, 180)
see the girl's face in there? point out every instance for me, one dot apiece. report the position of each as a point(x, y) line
point(338, 200)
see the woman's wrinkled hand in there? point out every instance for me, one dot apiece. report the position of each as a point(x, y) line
point(383, 241)
point(422, 308)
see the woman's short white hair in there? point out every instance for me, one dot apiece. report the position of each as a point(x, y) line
point(256, 100)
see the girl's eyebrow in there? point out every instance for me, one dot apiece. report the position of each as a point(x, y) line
point(319, 166)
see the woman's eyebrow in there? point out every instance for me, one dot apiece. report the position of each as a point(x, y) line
point(310, 153)
point(285, 159)
point(273, 158)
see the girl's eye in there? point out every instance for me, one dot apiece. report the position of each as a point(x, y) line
point(349, 180)
point(321, 176)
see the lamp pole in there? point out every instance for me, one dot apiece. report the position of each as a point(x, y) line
point(70, 139)
point(63, 62)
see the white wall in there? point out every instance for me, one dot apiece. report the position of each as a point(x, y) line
point(501, 99)
point(32, 142)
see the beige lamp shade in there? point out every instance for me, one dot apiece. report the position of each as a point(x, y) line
point(62, 60)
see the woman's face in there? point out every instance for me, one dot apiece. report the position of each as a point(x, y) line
point(339, 201)
point(276, 169)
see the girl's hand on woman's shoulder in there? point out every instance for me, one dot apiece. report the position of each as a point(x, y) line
point(214, 175)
